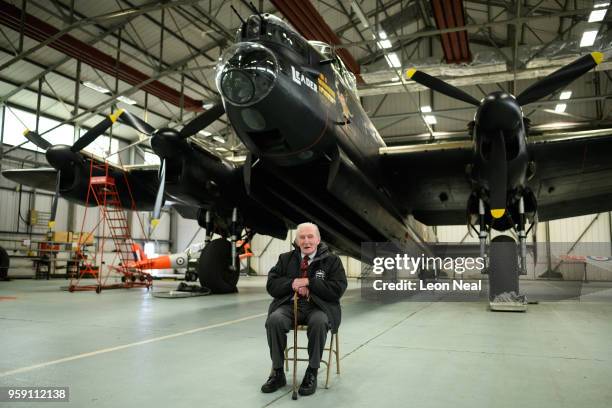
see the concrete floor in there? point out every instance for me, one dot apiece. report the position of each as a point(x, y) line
point(127, 348)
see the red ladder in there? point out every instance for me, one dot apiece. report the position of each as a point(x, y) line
point(103, 189)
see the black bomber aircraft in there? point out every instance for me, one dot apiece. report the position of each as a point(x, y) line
point(315, 156)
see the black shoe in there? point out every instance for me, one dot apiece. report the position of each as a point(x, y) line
point(275, 381)
point(309, 383)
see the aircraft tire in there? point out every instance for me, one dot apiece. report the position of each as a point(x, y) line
point(214, 267)
point(4, 264)
point(503, 266)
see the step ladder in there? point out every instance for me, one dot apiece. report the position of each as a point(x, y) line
point(114, 220)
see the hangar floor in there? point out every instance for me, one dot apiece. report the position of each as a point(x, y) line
point(126, 347)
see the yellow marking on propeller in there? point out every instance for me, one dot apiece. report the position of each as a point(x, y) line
point(154, 222)
point(597, 57)
point(25, 132)
point(51, 224)
point(410, 73)
point(498, 212)
point(115, 115)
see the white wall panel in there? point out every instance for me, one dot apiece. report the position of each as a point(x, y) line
point(455, 233)
point(266, 251)
point(185, 230)
point(8, 215)
point(86, 218)
point(569, 229)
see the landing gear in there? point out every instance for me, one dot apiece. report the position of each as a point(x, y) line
point(482, 233)
point(215, 267)
point(219, 266)
point(504, 263)
point(234, 238)
point(522, 235)
point(504, 276)
point(191, 276)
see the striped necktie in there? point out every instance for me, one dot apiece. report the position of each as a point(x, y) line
point(304, 267)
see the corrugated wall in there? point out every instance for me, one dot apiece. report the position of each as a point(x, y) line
point(588, 234)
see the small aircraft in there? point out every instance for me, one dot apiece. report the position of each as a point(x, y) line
point(314, 155)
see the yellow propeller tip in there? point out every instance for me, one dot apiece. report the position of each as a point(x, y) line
point(25, 132)
point(51, 224)
point(115, 115)
point(154, 222)
point(410, 73)
point(498, 212)
point(597, 56)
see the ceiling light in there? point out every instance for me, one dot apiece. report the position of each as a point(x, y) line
point(395, 79)
point(560, 108)
point(597, 15)
point(95, 87)
point(601, 4)
point(236, 159)
point(393, 60)
point(360, 15)
point(208, 105)
point(205, 133)
point(221, 149)
point(219, 139)
point(565, 95)
point(588, 38)
point(556, 125)
point(127, 100)
point(430, 119)
point(426, 109)
point(384, 42)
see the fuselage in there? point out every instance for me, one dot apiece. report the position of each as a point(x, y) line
point(295, 107)
point(499, 118)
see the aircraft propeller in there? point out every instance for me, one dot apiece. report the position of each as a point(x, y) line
point(559, 79)
point(440, 86)
point(497, 172)
point(59, 156)
point(497, 166)
point(164, 143)
point(544, 87)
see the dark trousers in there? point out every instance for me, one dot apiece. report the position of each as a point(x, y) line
point(280, 322)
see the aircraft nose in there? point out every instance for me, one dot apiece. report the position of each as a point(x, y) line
point(247, 73)
point(60, 156)
point(499, 113)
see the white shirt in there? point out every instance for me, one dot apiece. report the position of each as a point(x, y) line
point(310, 257)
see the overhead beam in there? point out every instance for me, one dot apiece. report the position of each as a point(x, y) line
point(485, 76)
point(477, 26)
point(470, 108)
point(307, 20)
point(120, 15)
point(131, 43)
point(455, 45)
point(39, 30)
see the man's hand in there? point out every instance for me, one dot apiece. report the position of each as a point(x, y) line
point(303, 291)
point(299, 283)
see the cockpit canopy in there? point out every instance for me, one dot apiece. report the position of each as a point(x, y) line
point(269, 28)
point(327, 53)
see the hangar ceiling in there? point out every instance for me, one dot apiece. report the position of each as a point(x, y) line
point(161, 55)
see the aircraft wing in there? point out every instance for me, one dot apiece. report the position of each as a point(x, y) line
point(143, 182)
point(573, 177)
point(40, 178)
point(430, 180)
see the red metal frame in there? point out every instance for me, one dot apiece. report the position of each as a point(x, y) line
point(113, 217)
point(450, 14)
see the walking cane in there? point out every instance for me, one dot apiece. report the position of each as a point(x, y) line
point(295, 328)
